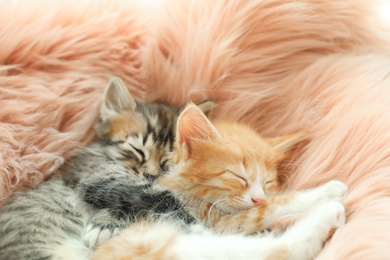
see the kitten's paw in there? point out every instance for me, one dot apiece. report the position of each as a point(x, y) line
point(95, 235)
point(334, 190)
point(333, 213)
point(307, 237)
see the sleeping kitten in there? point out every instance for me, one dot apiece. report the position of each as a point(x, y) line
point(227, 176)
point(102, 189)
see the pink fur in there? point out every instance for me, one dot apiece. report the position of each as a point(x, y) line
point(54, 64)
point(279, 65)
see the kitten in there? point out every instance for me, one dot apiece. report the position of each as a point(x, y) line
point(227, 175)
point(102, 189)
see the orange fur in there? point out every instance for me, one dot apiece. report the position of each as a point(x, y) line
point(278, 65)
point(123, 124)
point(222, 165)
point(279, 254)
point(144, 246)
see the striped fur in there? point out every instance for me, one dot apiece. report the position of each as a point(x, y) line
point(208, 178)
point(102, 189)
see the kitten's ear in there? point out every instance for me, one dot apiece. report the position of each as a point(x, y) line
point(116, 98)
point(284, 144)
point(193, 125)
point(207, 106)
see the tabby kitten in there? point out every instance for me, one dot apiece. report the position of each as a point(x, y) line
point(102, 189)
point(227, 176)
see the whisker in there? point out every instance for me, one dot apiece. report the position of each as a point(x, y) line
point(214, 205)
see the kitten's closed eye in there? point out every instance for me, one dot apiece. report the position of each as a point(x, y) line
point(140, 154)
point(269, 184)
point(164, 165)
point(242, 179)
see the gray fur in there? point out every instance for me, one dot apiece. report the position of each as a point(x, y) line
point(100, 190)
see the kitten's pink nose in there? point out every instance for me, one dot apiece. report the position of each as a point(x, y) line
point(257, 201)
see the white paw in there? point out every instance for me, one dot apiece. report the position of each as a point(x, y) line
point(93, 235)
point(332, 213)
point(334, 190)
point(307, 236)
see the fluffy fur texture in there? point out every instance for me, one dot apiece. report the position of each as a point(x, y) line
point(218, 171)
point(113, 183)
point(165, 241)
point(228, 172)
point(102, 188)
point(277, 65)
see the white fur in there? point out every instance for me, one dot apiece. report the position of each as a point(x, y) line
point(93, 236)
point(303, 241)
point(308, 199)
point(71, 249)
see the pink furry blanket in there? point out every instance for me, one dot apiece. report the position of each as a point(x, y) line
point(280, 65)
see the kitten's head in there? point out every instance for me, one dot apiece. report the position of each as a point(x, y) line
point(141, 136)
point(228, 164)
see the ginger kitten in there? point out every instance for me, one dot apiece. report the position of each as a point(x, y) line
point(226, 167)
